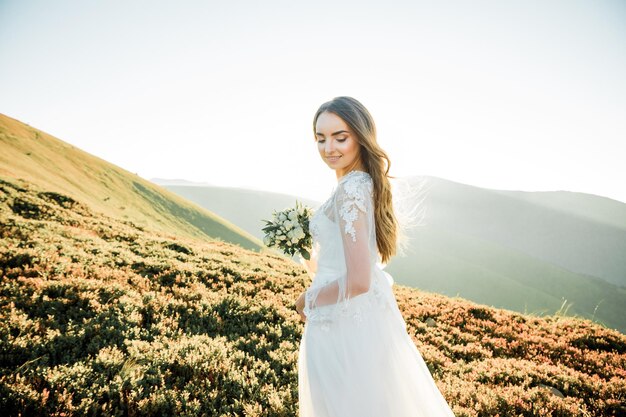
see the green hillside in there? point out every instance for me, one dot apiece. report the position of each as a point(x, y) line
point(30, 154)
point(101, 316)
point(452, 263)
point(240, 206)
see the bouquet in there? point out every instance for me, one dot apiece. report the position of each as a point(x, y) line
point(289, 231)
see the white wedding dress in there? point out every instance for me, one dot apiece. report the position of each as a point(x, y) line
point(356, 358)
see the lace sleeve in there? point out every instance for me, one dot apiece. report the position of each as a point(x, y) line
point(354, 212)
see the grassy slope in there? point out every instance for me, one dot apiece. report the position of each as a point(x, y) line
point(103, 317)
point(37, 157)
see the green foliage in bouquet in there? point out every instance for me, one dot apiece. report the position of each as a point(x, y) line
point(289, 231)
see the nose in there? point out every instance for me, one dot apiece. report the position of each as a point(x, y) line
point(329, 147)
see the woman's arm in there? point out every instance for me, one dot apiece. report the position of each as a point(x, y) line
point(354, 213)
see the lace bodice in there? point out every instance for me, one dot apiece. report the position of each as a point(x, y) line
point(348, 276)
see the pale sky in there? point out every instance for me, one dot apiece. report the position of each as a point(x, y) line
point(520, 95)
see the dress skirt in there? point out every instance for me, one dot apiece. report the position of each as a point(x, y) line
point(365, 365)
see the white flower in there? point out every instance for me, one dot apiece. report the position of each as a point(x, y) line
point(289, 233)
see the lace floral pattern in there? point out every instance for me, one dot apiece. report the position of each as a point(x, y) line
point(314, 227)
point(323, 317)
point(355, 201)
point(314, 222)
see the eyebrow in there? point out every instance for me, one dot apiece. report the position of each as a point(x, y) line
point(332, 134)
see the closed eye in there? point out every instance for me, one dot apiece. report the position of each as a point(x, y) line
point(338, 140)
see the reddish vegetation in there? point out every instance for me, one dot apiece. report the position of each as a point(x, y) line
point(101, 317)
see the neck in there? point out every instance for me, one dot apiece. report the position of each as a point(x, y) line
point(341, 173)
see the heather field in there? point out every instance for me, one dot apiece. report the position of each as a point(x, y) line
point(101, 316)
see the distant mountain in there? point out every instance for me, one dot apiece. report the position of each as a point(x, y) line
point(489, 246)
point(32, 155)
point(583, 233)
point(243, 207)
point(164, 181)
point(593, 207)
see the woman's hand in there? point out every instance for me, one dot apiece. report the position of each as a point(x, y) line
point(300, 306)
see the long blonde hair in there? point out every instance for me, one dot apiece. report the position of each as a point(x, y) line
point(376, 163)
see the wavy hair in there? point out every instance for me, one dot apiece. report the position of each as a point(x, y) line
point(376, 163)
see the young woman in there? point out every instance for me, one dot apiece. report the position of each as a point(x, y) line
point(356, 358)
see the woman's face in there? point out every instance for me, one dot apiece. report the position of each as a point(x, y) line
point(336, 143)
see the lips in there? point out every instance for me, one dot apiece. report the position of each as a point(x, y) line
point(333, 158)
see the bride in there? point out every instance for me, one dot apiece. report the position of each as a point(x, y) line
point(356, 358)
